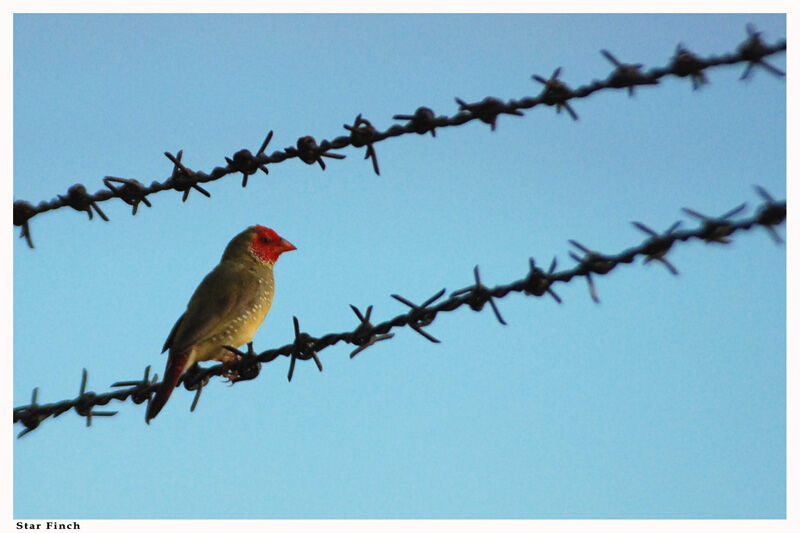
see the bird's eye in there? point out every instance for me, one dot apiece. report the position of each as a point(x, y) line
point(265, 240)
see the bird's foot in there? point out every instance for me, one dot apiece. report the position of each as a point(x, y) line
point(240, 366)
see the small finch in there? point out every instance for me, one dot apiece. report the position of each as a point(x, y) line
point(226, 308)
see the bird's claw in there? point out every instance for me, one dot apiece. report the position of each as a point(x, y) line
point(240, 366)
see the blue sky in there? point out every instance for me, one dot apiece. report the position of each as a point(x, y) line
point(666, 400)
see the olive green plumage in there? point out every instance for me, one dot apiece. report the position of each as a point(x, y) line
point(226, 309)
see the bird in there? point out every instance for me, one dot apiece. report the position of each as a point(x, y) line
point(226, 309)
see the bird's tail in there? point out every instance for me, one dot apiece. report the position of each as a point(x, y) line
point(176, 364)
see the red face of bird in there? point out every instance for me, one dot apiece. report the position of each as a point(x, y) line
point(268, 245)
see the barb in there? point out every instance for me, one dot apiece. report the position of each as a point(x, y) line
point(309, 153)
point(419, 317)
point(536, 282)
point(557, 93)
point(626, 75)
point(659, 245)
point(754, 50)
point(684, 63)
point(361, 132)
point(365, 341)
point(304, 347)
point(184, 179)
point(85, 404)
point(194, 380)
point(132, 192)
point(716, 229)
point(592, 262)
point(487, 110)
point(477, 295)
point(248, 164)
point(423, 120)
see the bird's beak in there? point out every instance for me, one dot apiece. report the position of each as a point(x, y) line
point(286, 246)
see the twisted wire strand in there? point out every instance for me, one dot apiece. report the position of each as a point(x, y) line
point(362, 133)
point(536, 282)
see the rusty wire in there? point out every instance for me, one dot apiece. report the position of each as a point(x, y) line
point(536, 282)
point(556, 92)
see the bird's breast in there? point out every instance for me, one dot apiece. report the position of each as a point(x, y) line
point(242, 328)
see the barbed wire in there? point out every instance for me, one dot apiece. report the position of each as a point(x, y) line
point(536, 282)
point(183, 179)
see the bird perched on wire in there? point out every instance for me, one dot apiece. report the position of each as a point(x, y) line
point(226, 308)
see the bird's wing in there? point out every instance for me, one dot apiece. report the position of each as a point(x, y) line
point(222, 296)
point(168, 342)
